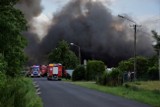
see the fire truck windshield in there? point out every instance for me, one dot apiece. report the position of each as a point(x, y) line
point(35, 68)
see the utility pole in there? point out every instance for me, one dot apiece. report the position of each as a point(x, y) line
point(135, 39)
point(135, 49)
point(135, 60)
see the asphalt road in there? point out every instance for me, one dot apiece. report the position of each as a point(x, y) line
point(62, 94)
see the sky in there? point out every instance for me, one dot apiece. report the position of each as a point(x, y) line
point(144, 12)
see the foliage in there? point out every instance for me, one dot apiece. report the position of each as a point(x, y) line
point(63, 55)
point(3, 64)
point(157, 40)
point(79, 73)
point(12, 43)
point(153, 73)
point(102, 79)
point(153, 61)
point(95, 69)
point(125, 65)
point(8, 2)
point(146, 85)
point(141, 68)
point(112, 78)
point(68, 76)
point(115, 77)
point(18, 92)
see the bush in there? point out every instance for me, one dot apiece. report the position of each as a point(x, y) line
point(153, 73)
point(3, 64)
point(103, 79)
point(114, 78)
point(79, 73)
point(68, 76)
point(95, 69)
point(18, 92)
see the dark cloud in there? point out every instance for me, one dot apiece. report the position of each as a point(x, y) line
point(99, 34)
point(30, 8)
point(91, 26)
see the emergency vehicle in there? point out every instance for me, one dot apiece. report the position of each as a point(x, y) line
point(54, 72)
point(43, 69)
point(35, 71)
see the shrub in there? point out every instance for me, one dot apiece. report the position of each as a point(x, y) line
point(94, 69)
point(18, 92)
point(153, 73)
point(115, 77)
point(78, 73)
point(3, 64)
point(68, 76)
point(103, 79)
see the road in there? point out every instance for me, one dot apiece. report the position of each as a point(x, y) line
point(63, 94)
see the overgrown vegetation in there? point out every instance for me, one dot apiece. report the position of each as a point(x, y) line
point(12, 43)
point(95, 69)
point(78, 73)
point(142, 66)
point(18, 92)
point(15, 91)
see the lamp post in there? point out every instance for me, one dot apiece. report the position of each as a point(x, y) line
point(135, 33)
point(79, 51)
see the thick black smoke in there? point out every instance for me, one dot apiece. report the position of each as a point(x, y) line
point(90, 25)
point(99, 34)
point(31, 9)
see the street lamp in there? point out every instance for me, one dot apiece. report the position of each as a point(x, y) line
point(79, 51)
point(135, 33)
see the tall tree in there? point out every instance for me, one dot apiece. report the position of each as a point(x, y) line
point(157, 40)
point(12, 43)
point(62, 54)
point(128, 65)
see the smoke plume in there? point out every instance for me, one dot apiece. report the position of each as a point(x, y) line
point(31, 9)
point(100, 35)
point(91, 25)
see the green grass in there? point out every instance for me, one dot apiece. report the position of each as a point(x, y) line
point(147, 85)
point(18, 92)
point(147, 96)
point(31, 97)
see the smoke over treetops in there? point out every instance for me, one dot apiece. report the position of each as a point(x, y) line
point(89, 24)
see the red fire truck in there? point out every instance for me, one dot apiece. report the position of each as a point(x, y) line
point(43, 69)
point(54, 72)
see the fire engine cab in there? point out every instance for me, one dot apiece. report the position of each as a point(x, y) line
point(35, 71)
point(54, 72)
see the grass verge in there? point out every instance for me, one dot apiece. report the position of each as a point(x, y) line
point(18, 92)
point(150, 97)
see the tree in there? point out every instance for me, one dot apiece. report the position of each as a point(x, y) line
point(142, 66)
point(79, 73)
point(125, 66)
point(3, 64)
point(153, 73)
point(153, 61)
point(95, 69)
point(62, 54)
point(12, 43)
point(157, 40)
